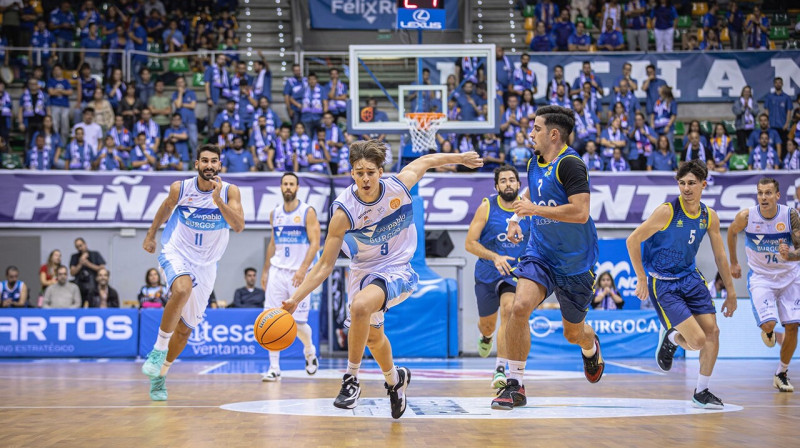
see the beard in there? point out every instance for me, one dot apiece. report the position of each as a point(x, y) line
point(289, 196)
point(508, 195)
point(208, 174)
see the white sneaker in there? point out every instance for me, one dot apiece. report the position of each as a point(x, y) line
point(781, 382)
point(312, 364)
point(769, 342)
point(271, 376)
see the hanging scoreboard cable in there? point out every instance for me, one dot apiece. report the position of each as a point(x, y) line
point(424, 15)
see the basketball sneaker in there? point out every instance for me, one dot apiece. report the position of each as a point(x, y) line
point(769, 341)
point(782, 383)
point(397, 393)
point(312, 364)
point(499, 380)
point(158, 388)
point(349, 393)
point(271, 376)
point(510, 396)
point(706, 400)
point(593, 367)
point(666, 349)
point(152, 366)
point(484, 346)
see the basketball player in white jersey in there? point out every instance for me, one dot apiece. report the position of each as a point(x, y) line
point(201, 210)
point(373, 222)
point(290, 253)
point(772, 244)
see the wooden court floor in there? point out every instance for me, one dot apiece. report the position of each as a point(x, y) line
point(91, 404)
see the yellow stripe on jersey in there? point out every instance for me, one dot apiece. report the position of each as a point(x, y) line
point(680, 199)
point(557, 155)
point(488, 209)
point(671, 215)
point(663, 314)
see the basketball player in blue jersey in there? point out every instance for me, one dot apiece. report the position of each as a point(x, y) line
point(13, 291)
point(290, 253)
point(774, 277)
point(373, 222)
point(560, 254)
point(497, 257)
point(201, 210)
point(666, 272)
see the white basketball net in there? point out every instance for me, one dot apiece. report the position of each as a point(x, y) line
point(423, 128)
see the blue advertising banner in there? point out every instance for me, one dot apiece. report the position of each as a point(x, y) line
point(45, 333)
point(623, 334)
point(224, 333)
point(693, 76)
point(613, 258)
point(366, 14)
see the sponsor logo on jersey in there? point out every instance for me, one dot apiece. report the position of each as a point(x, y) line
point(394, 204)
point(296, 219)
point(780, 227)
point(680, 223)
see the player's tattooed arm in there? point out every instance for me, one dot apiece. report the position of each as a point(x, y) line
point(786, 252)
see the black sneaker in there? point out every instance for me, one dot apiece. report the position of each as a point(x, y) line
point(706, 400)
point(349, 393)
point(666, 349)
point(510, 396)
point(593, 367)
point(397, 393)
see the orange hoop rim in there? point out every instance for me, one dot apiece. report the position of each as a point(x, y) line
point(424, 119)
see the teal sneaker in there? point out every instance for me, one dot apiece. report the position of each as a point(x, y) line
point(484, 346)
point(499, 381)
point(158, 388)
point(152, 366)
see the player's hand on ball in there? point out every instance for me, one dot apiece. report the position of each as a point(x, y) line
point(641, 289)
point(524, 207)
point(736, 271)
point(289, 306)
point(514, 232)
point(298, 277)
point(149, 245)
point(471, 159)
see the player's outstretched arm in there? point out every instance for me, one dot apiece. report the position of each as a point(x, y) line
point(718, 247)
point(333, 244)
point(232, 210)
point(657, 221)
point(739, 223)
point(162, 214)
point(313, 232)
point(414, 171)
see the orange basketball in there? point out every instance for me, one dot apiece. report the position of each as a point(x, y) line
point(275, 329)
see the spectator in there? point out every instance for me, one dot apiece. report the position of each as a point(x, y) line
point(745, 109)
point(130, 107)
point(145, 86)
point(509, 125)
point(791, 161)
point(613, 137)
point(652, 87)
point(763, 126)
point(93, 133)
point(587, 75)
point(470, 104)
point(168, 159)
point(262, 84)
point(102, 113)
point(229, 115)
point(561, 98)
point(47, 272)
point(217, 85)
point(697, 150)
point(591, 159)
point(664, 15)
point(735, 19)
point(118, 40)
point(334, 139)
point(248, 296)
point(504, 72)
point(184, 100)
point(123, 139)
point(314, 103)
point(154, 25)
point(717, 288)
point(611, 39)
point(84, 266)
point(63, 24)
point(611, 10)
point(542, 41)
point(115, 88)
point(62, 294)
point(519, 153)
point(642, 141)
point(491, 152)
point(546, 12)
point(42, 41)
point(246, 107)
point(694, 126)
point(149, 127)
point(580, 40)
point(319, 157)
point(722, 147)
point(528, 106)
point(779, 107)
point(709, 19)
point(103, 295)
point(154, 5)
point(108, 158)
point(587, 126)
point(86, 88)
point(78, 154)
point(633, 84)
point(636, 28)
point(143, 157)
point(606, 295)
point(237, 159)
point(137, 34)
point(691, 44)
point(239, 79)
point(260, 141)
point(59, 91)
point(293, 91)
point(6, 111)
point(591, 100)
point(665, 111)
point(52, 141)
point(663, 159)
point(301, 145)
point(711, 41)
point(446, 148)
point(579, 6)
point(562, 30)
point(764, 156)
point(225, 138)
point(172, 38)
point(179, 136)
point(13, 291)
point(39, 157)
point(33, 107)
point(159, 104)
point(282, 156)
point(92, 42)
point(757, 30)
point(524, 77)
point(628, 103)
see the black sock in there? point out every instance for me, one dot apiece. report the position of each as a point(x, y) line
point(486, 340)
point(769, 335)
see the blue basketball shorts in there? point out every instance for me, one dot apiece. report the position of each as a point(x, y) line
point(574, 292)
point(488, 294)
point(677, 300)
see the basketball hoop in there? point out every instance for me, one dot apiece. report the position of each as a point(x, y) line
point(423, 127)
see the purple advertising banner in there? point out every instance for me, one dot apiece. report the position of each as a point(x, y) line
point(619, 200)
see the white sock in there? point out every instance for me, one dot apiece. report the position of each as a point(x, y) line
point(275, 361)
point(162, 343)
point(589, 353)
point(781, 367)
point(672, 337)
point(516, 370)
point(352, 369)
point(304, 334)
point(500, 362)
point(702, 382)
point(165, 367)
point(392, 377)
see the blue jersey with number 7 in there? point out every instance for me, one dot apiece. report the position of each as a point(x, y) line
point(670, 253)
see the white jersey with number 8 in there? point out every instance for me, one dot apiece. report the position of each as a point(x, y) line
point(291, 237)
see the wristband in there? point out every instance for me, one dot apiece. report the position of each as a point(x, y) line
point(514, 218)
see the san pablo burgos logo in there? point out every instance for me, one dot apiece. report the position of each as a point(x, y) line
point(421, 21)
